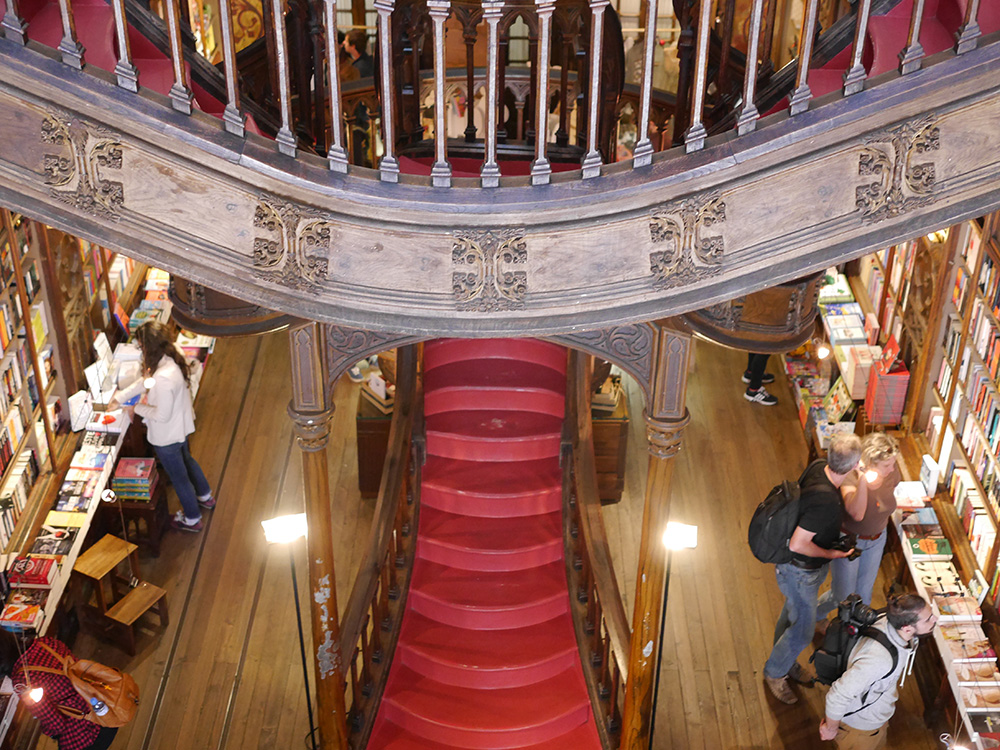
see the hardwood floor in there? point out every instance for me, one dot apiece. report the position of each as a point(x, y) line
point(225, 674)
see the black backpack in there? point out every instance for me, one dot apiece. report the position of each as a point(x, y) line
point(841, 637)
point(774, 521)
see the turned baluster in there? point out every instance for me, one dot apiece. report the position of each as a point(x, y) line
point(336, 154)
point(180, 94)
point(530, 130)
point(286, 140)
point(694, 138)
point(233, 118)
point(366, 675)
point(726, 35)
point(799, 101)
point(13, 25)
point(969, 32)
point(910, 57)
point(469, 37)
point(441, 171)
point(592, 161)
point(643, 153)
point(854, 78)
point(768, 40)
point(389, 165)
point(490, 173)
point(748, 113)
point(70, 47)
point(562, 134)
point(541, 169)
point(502, 86)
point(125, 71)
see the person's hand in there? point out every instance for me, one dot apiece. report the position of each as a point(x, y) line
point(113, 404)
point(838, 554)
point(130, 410)
point(828, 730)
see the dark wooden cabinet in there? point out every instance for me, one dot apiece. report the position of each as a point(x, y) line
point(610, 444)
point(373, 443)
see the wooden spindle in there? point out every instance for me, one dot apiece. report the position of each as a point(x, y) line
point(910, 57)
point(694, 138)
point(854, 78)
point(286, 140)
point(767, 42)
point(441, 171)
point(70, 47)
point(125, 71)
point(469, 37)
point(336, 154)
point(726, 35)
point(317, 36)
point(490, 173)
point(799, 101)
point(389, 165)
point(970, 31)
point(180, 95)
point(504, 43)
point(12, 25)
point(530, 132)
point(562, 133)
point(643, 154)
point(232, 117)
point(541, 169)
point(592, 161)
point(748, 113)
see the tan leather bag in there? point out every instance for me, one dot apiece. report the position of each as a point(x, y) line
point(91, 679)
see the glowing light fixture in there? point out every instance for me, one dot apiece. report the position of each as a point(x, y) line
point(680, 536)
point(285, 529)
point(36, 694)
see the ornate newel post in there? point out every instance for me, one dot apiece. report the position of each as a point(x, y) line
point(311, 413)
point(666, 417)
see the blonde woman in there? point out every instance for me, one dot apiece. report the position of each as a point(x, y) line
point(868, 503)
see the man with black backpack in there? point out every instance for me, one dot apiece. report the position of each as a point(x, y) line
point(861, 702)
point(812, 545)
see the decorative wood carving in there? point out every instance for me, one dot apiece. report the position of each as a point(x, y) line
point(491, 283)
point(345, 346)
point(204, 310)
point(295, 252)
point(628, 346)
point(692, 255)
point(901, 182)
point(75, 177)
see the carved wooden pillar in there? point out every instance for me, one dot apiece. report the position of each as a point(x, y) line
point(665, 417)
point(311, 413)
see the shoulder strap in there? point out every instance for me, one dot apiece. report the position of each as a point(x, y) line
point(880, 637)
point(55, 654)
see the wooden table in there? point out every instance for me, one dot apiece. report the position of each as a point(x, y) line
point(100, 564)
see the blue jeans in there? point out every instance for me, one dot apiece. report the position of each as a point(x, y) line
point(797, 621)
point(185, 474)
point(853, 576)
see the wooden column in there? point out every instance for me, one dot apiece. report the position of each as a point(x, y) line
point(666, 417)
point(311, 413)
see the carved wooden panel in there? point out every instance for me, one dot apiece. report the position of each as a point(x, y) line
point(686, 233)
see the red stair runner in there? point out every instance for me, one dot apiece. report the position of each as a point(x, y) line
point(487, 657)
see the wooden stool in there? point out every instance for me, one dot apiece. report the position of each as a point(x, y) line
point(100, 564)
point(145, 522)
point(135, 604)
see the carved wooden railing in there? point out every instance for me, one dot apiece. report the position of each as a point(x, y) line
point(599, 617)
point(374, 613)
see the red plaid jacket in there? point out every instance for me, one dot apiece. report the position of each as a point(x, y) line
point(71, 734)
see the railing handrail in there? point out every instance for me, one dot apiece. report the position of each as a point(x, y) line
point(390, 491)
point(595, 538)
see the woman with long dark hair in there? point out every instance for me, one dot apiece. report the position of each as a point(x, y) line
point(168, 413)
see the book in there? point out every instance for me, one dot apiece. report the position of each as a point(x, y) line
point(32, 573)
point(969, 673)
point(955, 608)
point(980, 695)
point(919, 516)
point(930, 548)
point(65, 518)
point(937, 576)
point(986, 724)
point(966, 642)
point(94, 460)
point(910, 495)
point(55, 542)
point(24, 609)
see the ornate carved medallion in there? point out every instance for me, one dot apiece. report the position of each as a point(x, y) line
point(75, 175)
point(901, 183)
point(296, 249)
point(485, 279)
point(691, 255)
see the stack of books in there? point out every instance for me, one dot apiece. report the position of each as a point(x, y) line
point(605, 399)
point(887, 384)
point(135, 479)
point(32, 572)
point(24, 609)
point(379, 393)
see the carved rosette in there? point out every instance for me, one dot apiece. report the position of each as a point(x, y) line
point(75, 175)
point(691, 255)
point(901, 181)
point(295, 249)
point(486, 279)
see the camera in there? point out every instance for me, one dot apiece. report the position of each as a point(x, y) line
point(847, 542)
point(855, 612)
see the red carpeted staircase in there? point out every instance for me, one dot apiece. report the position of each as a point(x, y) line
point(487, 657)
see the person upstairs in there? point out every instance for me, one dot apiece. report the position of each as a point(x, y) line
point(756, 377)
point(356, 45)
point(861, 702)
point(812, 542)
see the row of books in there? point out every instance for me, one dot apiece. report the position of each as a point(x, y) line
point(11, 379)
point(15, 494)
point(971, 508)
point(985, 336)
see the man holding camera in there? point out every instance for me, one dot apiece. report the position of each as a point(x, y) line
point(813, 545)
point(860, 703)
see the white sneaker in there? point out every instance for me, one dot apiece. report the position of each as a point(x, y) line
point(760, 396)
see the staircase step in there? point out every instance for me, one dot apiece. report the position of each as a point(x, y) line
point(488, 600)
point(445, 351)
point(486, 719)
point(390, 736)
point(495, 384)
point(489, 436)
point(487, 659)
point(509, 489)
point(478, 543)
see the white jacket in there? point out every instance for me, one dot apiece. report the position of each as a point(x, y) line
point(168, 412)
point(866, 674)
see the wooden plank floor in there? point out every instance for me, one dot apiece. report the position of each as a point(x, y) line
point(225, 674)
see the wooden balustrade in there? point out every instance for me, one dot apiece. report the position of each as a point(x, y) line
point(374, 613)
point(598, 614)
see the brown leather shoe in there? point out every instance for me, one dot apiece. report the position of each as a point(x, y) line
point(781, 690)
point(802, 675)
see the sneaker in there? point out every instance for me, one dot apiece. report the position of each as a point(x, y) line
point(767, 379)
point(207, 502)
point(355, 374)
point(183, 523)
point(801, 675)
point(760, 396)
point(781, 690)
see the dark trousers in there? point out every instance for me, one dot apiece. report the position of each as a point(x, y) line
point(185, 474)
point(103, 741)
point(756, 365)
